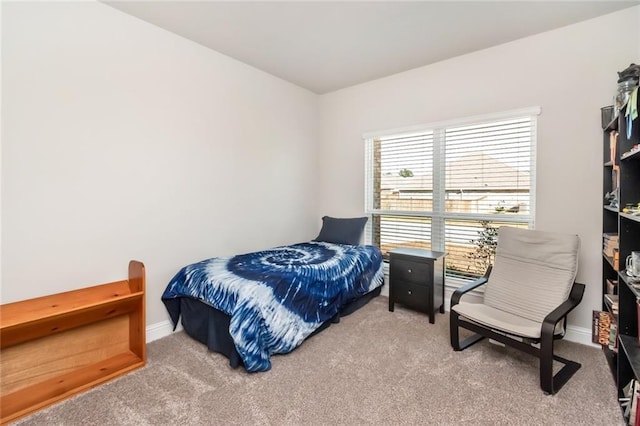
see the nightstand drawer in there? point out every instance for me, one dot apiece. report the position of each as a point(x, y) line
point(411, 294)
point(413, 272)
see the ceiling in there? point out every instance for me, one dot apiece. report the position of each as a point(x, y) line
point(327, 45)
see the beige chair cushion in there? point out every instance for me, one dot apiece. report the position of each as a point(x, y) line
point(533, 273)
point(499, 320)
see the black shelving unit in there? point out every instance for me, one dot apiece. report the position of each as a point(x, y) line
point(623, 172)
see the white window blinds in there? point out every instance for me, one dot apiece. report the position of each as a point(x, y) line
point(448, 186)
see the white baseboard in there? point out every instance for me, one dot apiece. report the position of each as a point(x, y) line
point(160, 329)
point(580, 335)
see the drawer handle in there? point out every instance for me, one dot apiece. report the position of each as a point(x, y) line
point(409, 270)
point(409, 292)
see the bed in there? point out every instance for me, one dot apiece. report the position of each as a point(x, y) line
point(251, 306)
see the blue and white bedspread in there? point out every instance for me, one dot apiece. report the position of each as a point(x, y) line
point(278, 297)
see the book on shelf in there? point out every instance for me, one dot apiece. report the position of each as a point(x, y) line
point(612, 301)
point(626, 392)
point(601, 327)
point(629, 401)
point(613, 337)
point(612, 286)
point(610, 244)
point(610, 248)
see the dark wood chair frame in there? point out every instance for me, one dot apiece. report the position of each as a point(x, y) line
point(549, 382)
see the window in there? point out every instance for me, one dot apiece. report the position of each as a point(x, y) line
point(449, 186)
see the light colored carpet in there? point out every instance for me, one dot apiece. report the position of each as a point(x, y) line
point(374, 367)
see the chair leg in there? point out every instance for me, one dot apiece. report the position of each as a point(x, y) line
point(549, 382)
point(546, 364)
point(454, 331)
point(455, 336)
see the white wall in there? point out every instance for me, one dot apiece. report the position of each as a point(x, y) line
point(123, 141)
point(570, 73)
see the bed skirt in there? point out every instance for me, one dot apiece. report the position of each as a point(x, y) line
point(210, 326)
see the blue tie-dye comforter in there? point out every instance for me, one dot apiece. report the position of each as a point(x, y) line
point(278, 297)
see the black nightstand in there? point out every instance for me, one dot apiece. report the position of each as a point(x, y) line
point(416, 279)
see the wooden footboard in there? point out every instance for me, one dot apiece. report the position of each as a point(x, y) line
point(56, 346)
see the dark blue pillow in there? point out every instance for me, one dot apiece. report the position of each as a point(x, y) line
point(342, 230)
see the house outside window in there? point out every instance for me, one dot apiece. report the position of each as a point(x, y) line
point(449, 186)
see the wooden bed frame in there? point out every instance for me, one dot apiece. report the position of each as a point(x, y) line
point(56, 346)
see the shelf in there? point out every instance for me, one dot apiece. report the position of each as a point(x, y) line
point(62, 303)
point(631, 348)
point(633, 217)
point(56, 346)
point(634, 286)
point(621, 171)
point(37, 396)
point(54, 317)
point(631, 156)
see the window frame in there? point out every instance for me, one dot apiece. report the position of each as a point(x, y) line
point(438, 216)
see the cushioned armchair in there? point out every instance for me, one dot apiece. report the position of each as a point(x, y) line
point(528, 293)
